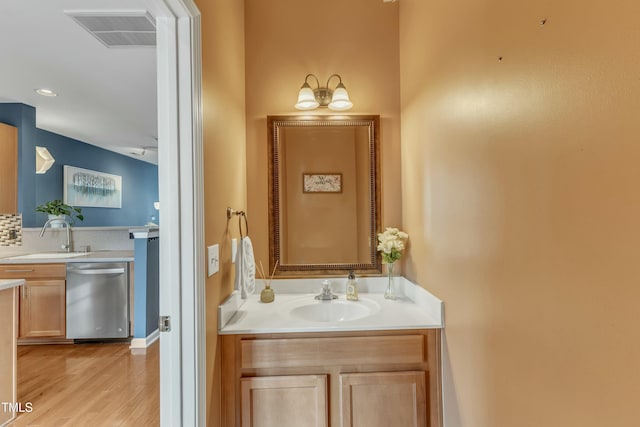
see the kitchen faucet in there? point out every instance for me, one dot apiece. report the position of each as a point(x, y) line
point(66, 246)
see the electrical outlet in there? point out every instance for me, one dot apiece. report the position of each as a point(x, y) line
point(213, 259)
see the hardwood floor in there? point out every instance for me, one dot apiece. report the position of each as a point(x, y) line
point(88, 385)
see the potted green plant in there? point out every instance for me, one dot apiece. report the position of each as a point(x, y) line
point(56, 208)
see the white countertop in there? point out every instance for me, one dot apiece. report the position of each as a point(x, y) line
point(10, 283)
point(97, 256)
point(415, 309)
point(144, 232)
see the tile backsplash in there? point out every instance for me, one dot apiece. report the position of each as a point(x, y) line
point(10, 230)
point(96, 238)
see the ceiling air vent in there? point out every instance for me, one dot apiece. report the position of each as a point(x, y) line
point(118, 29)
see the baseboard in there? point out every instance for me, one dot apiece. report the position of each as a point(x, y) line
point(143, 343)
point(40, 341)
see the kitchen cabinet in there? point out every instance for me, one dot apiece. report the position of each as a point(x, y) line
point(42, 309)
point(41, 302)
point(8, 357)
point(8, 168)
point(367, 378)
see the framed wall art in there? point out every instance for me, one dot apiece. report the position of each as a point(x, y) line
point(322, 182)
point(84, 187)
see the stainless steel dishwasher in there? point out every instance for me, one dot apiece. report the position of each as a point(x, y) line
point(97, 300)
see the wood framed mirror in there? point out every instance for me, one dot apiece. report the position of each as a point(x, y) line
point(324, 194)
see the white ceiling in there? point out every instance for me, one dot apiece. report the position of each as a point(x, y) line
point(106, 96)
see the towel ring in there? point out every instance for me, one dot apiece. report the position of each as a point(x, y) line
point(246, 224)
point(231, 212)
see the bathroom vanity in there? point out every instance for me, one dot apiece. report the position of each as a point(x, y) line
point(299, 361)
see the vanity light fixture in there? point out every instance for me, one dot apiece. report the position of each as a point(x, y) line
point(44, 160)
point(336, 99)
point(46, 92)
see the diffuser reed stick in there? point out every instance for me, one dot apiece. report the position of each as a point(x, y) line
point(267, 294)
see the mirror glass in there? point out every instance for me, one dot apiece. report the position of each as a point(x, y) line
point(324, 194)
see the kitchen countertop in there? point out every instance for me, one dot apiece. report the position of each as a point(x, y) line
point(96, 256)
point(415, 309)
point(10, 283)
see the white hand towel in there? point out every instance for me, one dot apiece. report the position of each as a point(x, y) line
point(245, 280)
point(248, 280)
point(237, 283)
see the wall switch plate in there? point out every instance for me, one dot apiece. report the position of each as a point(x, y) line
point(213, 259)
point(234, 250)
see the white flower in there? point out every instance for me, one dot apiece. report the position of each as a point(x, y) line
point(391, 244)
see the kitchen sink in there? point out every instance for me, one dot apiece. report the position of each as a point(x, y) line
point(49, 255)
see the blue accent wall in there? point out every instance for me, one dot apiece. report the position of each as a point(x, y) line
point(146, 288)
point(139, 179)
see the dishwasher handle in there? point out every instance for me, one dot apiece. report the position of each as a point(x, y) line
point(97, 271)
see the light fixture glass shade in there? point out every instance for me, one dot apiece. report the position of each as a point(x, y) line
point(340, 100)
point(306, 98)
point(45, 92)
point(44, 160)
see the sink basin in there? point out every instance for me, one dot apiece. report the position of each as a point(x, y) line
point(49, 255)
point(335, 311)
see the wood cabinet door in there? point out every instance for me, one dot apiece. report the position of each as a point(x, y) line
point(42, 309)
point(8, 169)
point(8, 361)
point(284, 401)
point(383, 399)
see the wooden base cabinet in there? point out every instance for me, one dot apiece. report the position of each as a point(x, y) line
point(359, 379)
point(42, 309)
point(284, 401)
point(42, 301)
point(383, 399)
point(8, 356)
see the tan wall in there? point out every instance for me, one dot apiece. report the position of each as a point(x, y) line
point(520, 195)
point(286, 40)
point(224, 161)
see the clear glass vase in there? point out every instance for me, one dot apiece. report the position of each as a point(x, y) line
point(390, 292)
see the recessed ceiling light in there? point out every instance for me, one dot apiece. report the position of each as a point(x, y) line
point(46, 92)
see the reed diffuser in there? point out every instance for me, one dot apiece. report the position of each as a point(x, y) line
point(267, 294)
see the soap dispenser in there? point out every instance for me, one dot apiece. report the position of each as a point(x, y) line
point(352, 287)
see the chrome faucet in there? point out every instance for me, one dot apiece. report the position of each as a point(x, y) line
point(67, 246)
point(326, 294)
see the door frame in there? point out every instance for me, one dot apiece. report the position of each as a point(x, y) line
point(180, 180)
